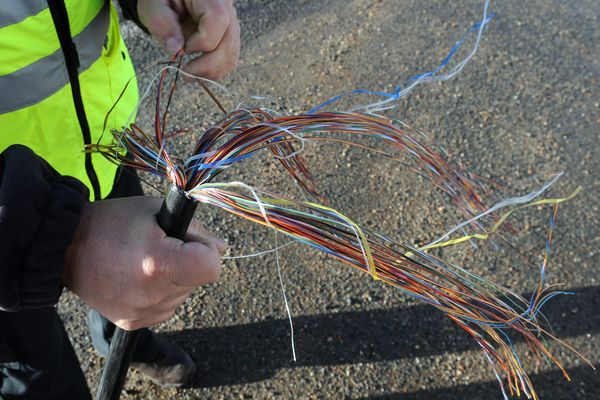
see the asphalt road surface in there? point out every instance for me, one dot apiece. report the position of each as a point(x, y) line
point(526, 106)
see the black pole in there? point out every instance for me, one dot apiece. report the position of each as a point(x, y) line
point(174, 218)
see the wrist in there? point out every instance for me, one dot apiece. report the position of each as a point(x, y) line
point(73, 253)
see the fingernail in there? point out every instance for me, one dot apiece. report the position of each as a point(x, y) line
point(172, 45)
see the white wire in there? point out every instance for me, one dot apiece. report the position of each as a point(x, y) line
point(157, 75)
point(377, 106)
point(285, 301)
point(504, 203)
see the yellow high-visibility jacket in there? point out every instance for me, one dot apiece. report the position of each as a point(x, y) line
point(63, 65)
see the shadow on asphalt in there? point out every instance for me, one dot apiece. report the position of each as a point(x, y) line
point(585, 385)
point(254, 352)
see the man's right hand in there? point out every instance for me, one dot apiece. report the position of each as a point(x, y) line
point(208, 29)
point(122, 264)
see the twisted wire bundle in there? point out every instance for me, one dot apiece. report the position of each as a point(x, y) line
point(490, 313)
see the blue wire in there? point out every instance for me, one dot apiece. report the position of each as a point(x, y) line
point(396, 94)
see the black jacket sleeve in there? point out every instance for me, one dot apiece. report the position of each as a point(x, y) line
point(129, 9)
point(39, 214)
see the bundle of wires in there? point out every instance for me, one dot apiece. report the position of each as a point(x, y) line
point(490, 313)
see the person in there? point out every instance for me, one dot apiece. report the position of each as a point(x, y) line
point(72, 219)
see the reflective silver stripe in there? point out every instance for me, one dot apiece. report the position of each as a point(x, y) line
point(41, 79)
point(14, 12)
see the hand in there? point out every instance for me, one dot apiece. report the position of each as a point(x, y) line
point(123, 265)
point(209, 27)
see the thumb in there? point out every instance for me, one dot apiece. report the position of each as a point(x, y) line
point(193, 263)
point(163, 23)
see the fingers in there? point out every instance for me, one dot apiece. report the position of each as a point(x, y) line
point(212, 18)
point(163, 23)
point(152, 319)
point(209, 27)
point(197, 233)
point(147, 316)
point(218, 38)
point(164, 312)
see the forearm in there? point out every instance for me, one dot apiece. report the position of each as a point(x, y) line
point(39, 214)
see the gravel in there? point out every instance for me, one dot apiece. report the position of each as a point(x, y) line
point(526, 106)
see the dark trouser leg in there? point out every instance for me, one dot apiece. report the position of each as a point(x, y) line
point(37, 360)
point(101, 331)
point(127, 184)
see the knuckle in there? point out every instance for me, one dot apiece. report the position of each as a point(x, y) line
point(152, 269)
point(128, 325)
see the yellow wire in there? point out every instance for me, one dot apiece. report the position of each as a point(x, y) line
point(501, 220)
